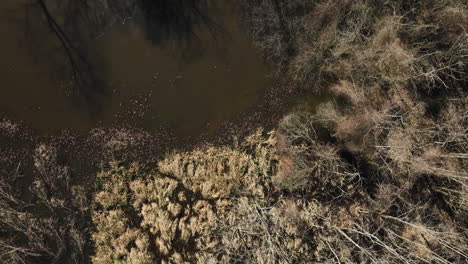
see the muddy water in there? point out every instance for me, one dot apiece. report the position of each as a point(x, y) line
point(143, 73)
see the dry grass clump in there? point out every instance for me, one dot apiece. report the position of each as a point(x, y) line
point(134, 216)
point(173, 213)
point(156, 220)
point(218, 172)
point(47, 224)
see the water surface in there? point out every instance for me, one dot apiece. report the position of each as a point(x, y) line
point(149, 69)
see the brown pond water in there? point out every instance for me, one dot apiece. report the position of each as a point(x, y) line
point(188, 76)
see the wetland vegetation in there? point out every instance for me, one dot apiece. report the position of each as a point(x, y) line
point(352, 150)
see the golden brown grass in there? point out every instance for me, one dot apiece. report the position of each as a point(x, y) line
point(179, 210)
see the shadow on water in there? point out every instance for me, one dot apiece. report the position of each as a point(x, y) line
point(176, 20)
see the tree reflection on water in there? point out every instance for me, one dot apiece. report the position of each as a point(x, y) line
point(75, 24)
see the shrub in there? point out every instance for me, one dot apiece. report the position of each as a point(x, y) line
point(50, 226)
point(308, 163)
point(390, 147)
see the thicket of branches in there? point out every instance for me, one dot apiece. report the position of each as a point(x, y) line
point(48, 222)
point(386, 157)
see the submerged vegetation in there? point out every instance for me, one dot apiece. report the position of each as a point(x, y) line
point(378, 174)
